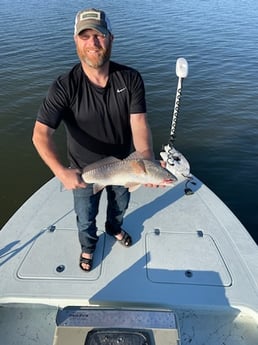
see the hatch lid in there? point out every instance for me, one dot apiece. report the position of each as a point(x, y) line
point(185, 258)
point(55, 255)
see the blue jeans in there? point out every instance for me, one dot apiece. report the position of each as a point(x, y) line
point(86, 206)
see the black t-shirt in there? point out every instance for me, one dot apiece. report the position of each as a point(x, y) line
point(97, 120)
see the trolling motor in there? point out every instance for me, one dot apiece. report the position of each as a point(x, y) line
point(175, 161)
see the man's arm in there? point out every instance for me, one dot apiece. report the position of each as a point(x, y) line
point(44, 143)
point(142, 138)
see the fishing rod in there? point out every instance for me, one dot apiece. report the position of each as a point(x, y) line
point(176, 162)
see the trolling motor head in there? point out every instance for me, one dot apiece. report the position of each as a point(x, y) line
point(181, 68)
point(181, 72)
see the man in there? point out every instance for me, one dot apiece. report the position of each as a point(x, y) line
point(102, 105)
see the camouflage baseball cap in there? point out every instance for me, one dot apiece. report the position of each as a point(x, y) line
point(92, 19)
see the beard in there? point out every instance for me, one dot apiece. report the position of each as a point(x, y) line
point(101, 56)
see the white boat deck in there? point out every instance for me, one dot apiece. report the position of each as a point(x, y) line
point(190, 255)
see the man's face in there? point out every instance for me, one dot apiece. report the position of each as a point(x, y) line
point(93, 48)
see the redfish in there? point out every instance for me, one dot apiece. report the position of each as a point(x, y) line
point(131, 172)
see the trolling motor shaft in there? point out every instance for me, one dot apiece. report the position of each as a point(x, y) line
point(176, 162)
point(181, 72)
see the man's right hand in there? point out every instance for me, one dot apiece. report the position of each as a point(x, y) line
point(71, 179)
point(45, 145)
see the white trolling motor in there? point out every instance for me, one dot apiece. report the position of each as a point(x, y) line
point(176, 162)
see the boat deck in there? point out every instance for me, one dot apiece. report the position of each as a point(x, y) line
point(190, 255)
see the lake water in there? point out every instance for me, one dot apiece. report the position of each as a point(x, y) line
point(218, 123)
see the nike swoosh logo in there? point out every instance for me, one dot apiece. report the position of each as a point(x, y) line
point(121, 90)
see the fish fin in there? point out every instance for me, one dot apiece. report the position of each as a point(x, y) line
point(138, 167)
point(101, 163)
point(132, 186)
point(97, 188)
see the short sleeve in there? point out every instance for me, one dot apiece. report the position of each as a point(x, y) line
point(54, 105)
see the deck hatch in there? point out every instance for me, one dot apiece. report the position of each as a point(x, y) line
point(185, 258)
point(62, 259)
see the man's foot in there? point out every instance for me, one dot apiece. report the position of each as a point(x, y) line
point(86, 261)
point(124, 238)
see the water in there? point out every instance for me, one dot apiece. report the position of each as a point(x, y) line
point(218, 125)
